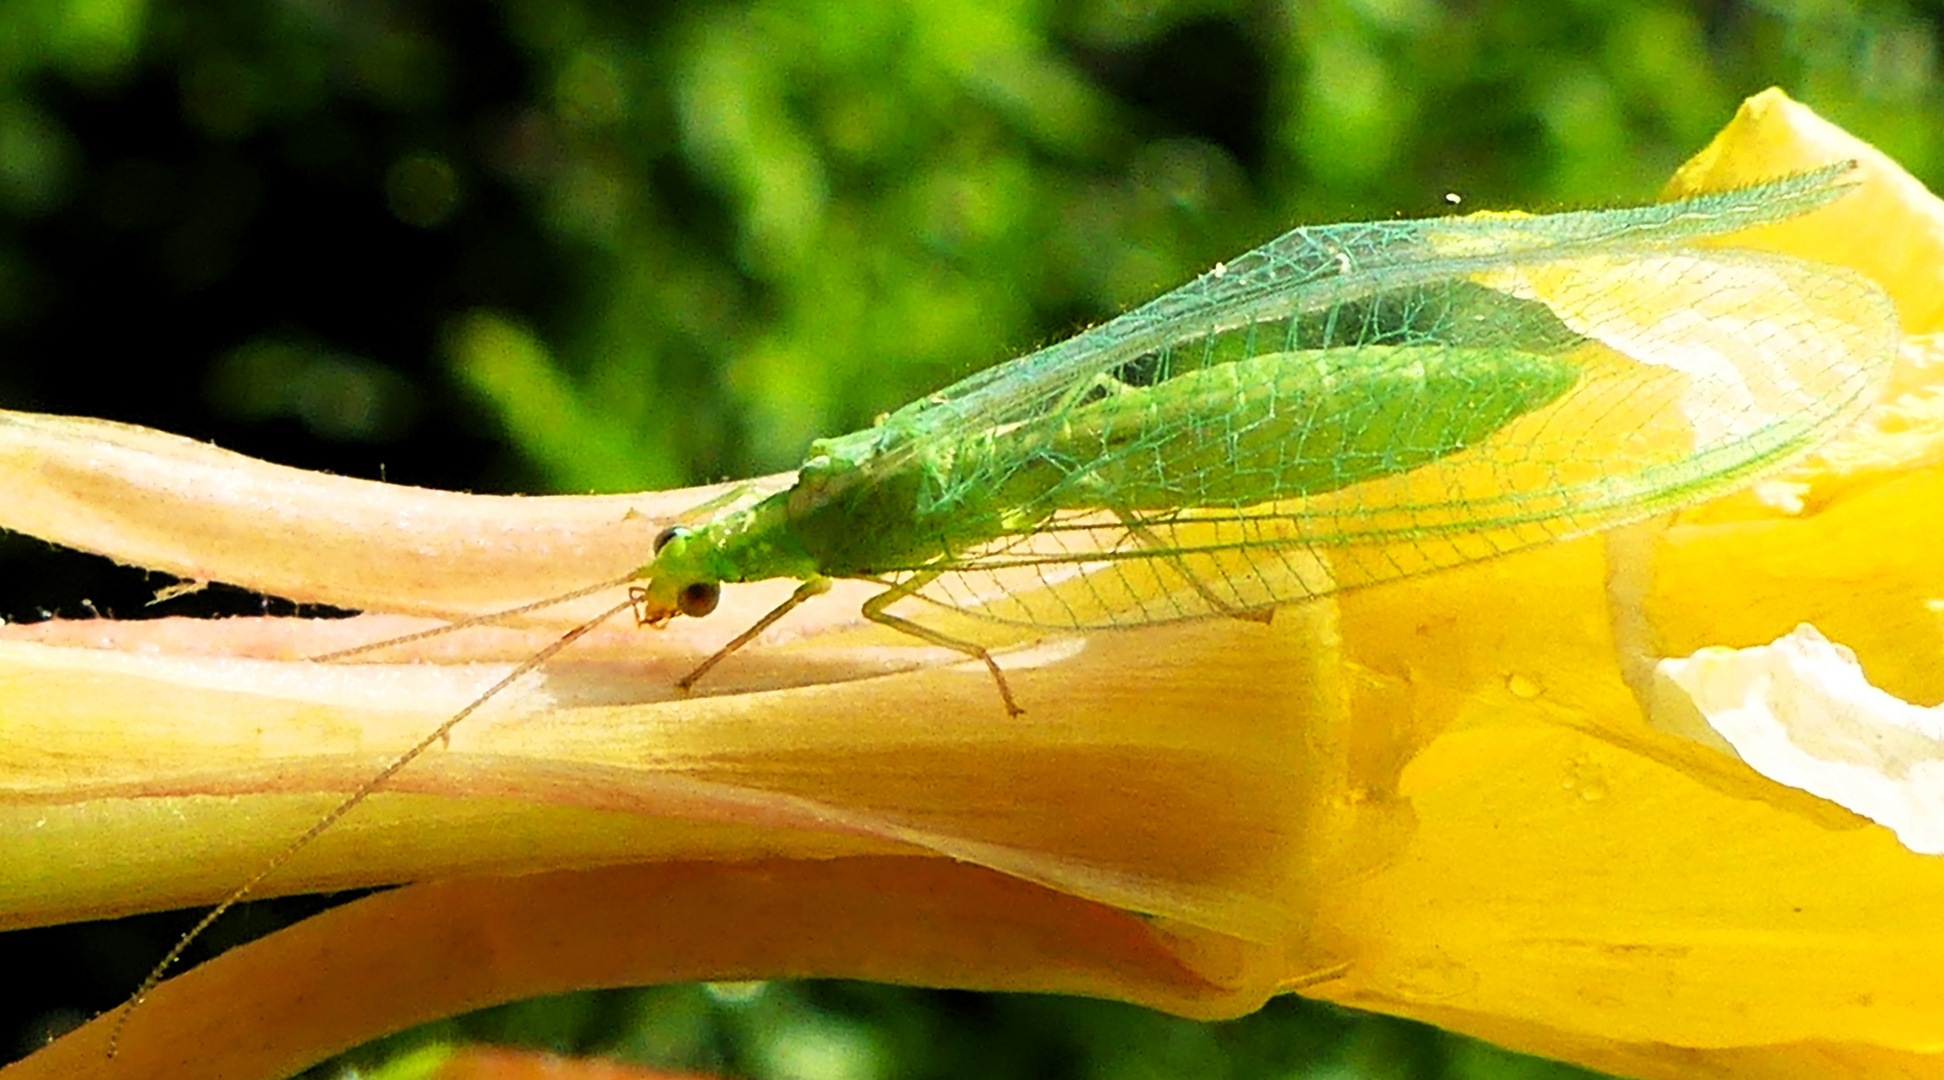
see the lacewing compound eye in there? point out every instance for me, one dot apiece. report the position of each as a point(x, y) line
point(698, 599)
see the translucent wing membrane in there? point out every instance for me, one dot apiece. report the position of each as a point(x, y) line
point(1315, 267)
point(1509, 383)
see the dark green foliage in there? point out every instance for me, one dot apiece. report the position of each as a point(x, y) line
point(859, 1031)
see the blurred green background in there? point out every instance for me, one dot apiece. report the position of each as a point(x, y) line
point(592, 245)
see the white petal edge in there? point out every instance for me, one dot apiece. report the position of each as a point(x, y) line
point(1800, 712)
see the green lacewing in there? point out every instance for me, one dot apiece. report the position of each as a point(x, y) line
point(1344, 405)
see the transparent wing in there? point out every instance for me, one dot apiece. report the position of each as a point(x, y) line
point(1319, 268)
point(1452, 416)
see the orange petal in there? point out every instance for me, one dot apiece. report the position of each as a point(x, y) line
point(269, 1008)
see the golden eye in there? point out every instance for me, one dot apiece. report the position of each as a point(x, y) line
point(662, 538)
point(698, 599)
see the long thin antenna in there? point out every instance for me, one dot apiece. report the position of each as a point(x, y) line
point(352, 801)
point(476, 620)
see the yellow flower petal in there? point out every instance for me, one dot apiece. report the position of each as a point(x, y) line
point(1891, 229)
point(1575, 883)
